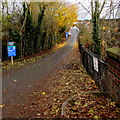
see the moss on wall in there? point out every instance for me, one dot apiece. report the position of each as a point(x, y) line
point(114, 52)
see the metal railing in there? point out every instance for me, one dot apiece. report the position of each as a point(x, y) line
point(88, 62)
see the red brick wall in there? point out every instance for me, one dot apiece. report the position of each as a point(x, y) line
point(113, 79)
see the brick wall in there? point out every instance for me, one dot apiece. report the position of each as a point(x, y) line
point(108, 76)
point(113, 78)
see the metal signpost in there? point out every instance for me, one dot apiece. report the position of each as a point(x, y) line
point(11, 50)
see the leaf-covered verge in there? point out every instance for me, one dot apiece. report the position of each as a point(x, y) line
point(70, 92)
point(6, 65)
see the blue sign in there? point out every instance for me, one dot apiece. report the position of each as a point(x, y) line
point(66, 34)
point(11, 51)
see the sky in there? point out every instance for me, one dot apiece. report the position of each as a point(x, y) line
point(82, 13)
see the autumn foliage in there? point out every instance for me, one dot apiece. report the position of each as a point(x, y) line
point(40, 25)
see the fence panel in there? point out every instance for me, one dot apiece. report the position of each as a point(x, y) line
point(106, 76)
point(87, 60)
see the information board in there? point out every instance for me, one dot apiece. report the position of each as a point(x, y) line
point(10, 43)
point(11, 51)
point(66, 34)
point(95, 63)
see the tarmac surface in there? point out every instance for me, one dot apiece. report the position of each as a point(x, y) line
point(21, 80)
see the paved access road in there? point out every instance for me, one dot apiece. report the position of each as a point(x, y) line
point(14, 83)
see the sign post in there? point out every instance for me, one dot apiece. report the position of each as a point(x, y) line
point(11, 50)
point(12, 60)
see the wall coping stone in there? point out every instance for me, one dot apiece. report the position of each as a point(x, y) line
point(114, 52)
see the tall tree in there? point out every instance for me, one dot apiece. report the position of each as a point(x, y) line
point(96, 11)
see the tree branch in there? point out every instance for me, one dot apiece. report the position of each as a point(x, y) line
point(84, 7)
point(92, 10)
point(111, 9)
point(25, 19)
point(102, 6)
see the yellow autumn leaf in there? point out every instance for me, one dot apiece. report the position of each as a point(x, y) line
point(57, 109)
point(43, 93)
point(1, 106)
point(96, 117)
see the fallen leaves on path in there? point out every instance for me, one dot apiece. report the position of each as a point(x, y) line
point(1, 105)
point(71, 84)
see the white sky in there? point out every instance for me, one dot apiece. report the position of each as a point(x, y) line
point(83, 14)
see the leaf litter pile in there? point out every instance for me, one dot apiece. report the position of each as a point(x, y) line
point(70, 93)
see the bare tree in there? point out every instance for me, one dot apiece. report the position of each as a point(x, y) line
point(102, 11)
